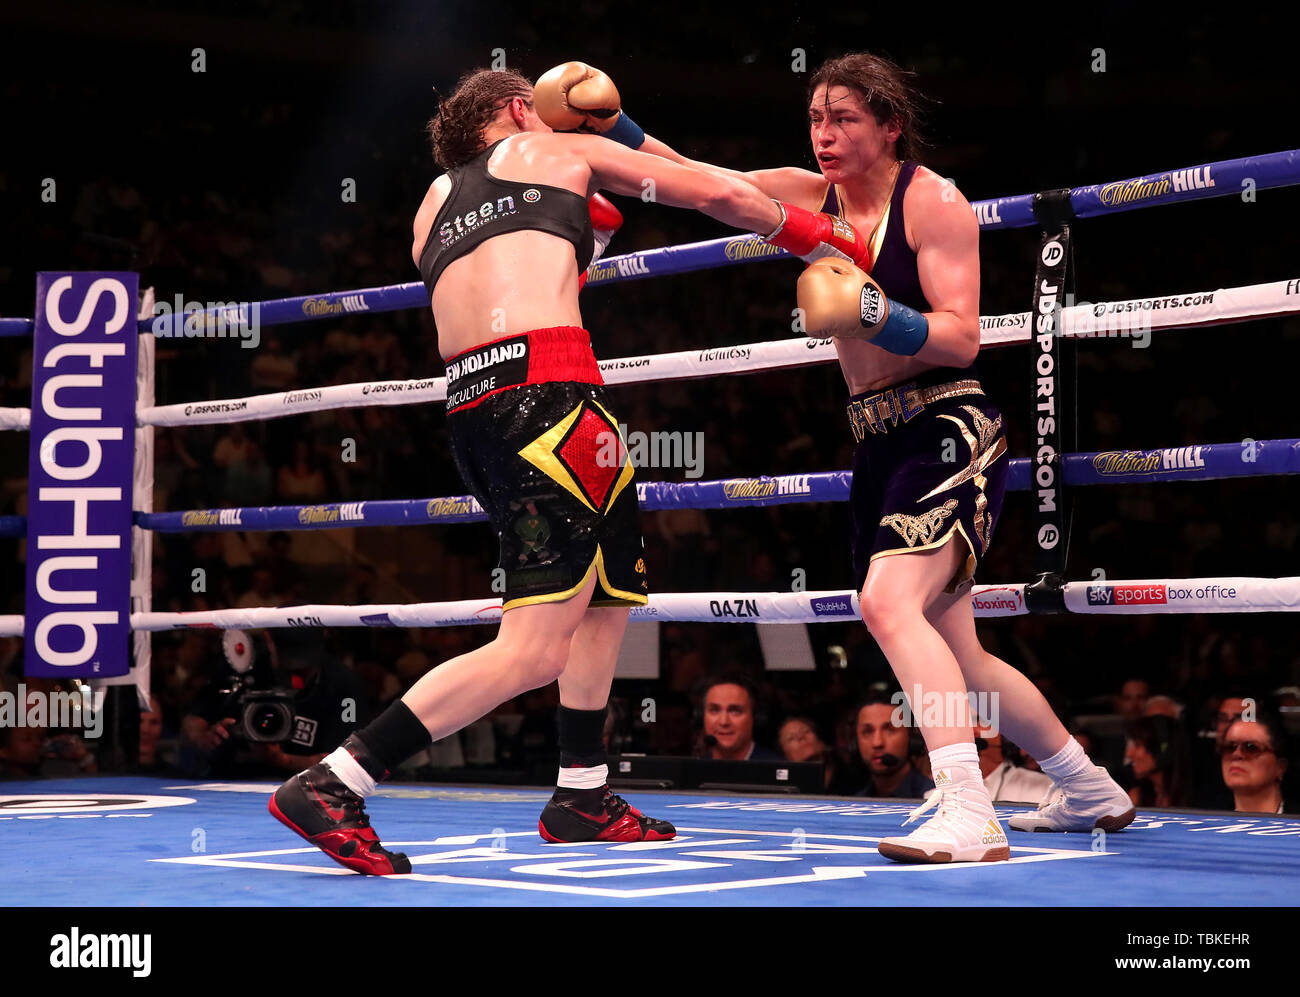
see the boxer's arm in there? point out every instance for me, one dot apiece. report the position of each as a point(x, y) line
point(948, 263)
point(785, 183)
point(731, 201)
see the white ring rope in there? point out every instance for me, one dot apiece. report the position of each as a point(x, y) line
point(1123, 598)
point(1136, 316)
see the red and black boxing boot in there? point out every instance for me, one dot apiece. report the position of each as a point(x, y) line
point(576, 815)
point(318, 806)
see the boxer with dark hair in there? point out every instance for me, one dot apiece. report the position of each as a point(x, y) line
point(502, 241)
point(906, 327)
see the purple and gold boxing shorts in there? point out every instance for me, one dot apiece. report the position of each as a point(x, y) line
point(535, 443)
point(930, 464)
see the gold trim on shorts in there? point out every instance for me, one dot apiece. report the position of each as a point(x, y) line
point(617, 597)
point(963, 574)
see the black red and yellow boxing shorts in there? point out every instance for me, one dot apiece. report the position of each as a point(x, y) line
point(536, 444)
point(930, 465)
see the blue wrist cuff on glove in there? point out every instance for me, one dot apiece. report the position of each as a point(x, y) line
point(905, 331)
point(626, 132)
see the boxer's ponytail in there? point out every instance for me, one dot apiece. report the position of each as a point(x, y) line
point(456, 131)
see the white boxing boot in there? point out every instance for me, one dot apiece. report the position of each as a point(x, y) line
point(1087, 801)
point(965, 829)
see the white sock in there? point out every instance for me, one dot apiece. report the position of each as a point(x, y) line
point(1067, 763)
point(592, 777)
point(350, 772)
point(963, 755)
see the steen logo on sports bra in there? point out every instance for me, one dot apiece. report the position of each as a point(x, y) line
point(469, 222)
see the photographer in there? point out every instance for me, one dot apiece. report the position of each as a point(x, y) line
point(282, 699)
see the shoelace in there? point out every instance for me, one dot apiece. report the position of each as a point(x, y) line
point(615, 806)
point(939, 798)
point(356, 810)
point(353, 806)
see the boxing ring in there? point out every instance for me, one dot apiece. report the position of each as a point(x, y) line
point(481, 847)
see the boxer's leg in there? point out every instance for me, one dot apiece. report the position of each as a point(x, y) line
point(1022, 712)
point(898, 591)
point(1090, 798)
point(894, 601)
point(583, 807)
point(593, 652)
point(325, 803)
point(531, 649)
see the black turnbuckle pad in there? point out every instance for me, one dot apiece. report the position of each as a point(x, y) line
point(1045, 595)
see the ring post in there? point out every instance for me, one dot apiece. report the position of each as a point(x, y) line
point(1050, 407)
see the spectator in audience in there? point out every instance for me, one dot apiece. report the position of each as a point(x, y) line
point(148, 759)
point(301, 480)
point(1163, 706)
point(1006, 781)
point(800, 743)
point(1156, 752)
point(1254, 764)
point(248, 481)
point(272, 369)
point(883, 742)
point(729, 707)
point(285, 572)
point(261, 594)
point(171, 460)
point(329, 702)
point(1132, 699)
point(670, 734)
point(231, 447)
point(20, 752)
point(1228, 712)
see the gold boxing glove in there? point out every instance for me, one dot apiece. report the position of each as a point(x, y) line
point(573, 95)
point(838, 299)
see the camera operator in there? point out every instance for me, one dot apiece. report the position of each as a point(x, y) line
point(272, 712)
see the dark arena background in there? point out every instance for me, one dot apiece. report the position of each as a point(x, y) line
point(254, 151)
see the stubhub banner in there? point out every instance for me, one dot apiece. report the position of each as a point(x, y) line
point(79, 494)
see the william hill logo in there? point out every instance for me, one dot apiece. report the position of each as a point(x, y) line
point(212, 517)
point(752, 488)
point(1138, 189)
point(617, 266)
point(1126, 462)
point(1145, 461)
point(451, 507)
point(344, 303)
point(750, 248)
point(744, 488)
point(347, 512)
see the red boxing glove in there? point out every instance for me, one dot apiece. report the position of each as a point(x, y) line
point(815, 235)
point(605, 221)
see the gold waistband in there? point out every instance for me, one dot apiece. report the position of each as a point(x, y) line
point(878, 412)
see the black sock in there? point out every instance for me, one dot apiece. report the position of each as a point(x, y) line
point(393, 737)
point(582, 737)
